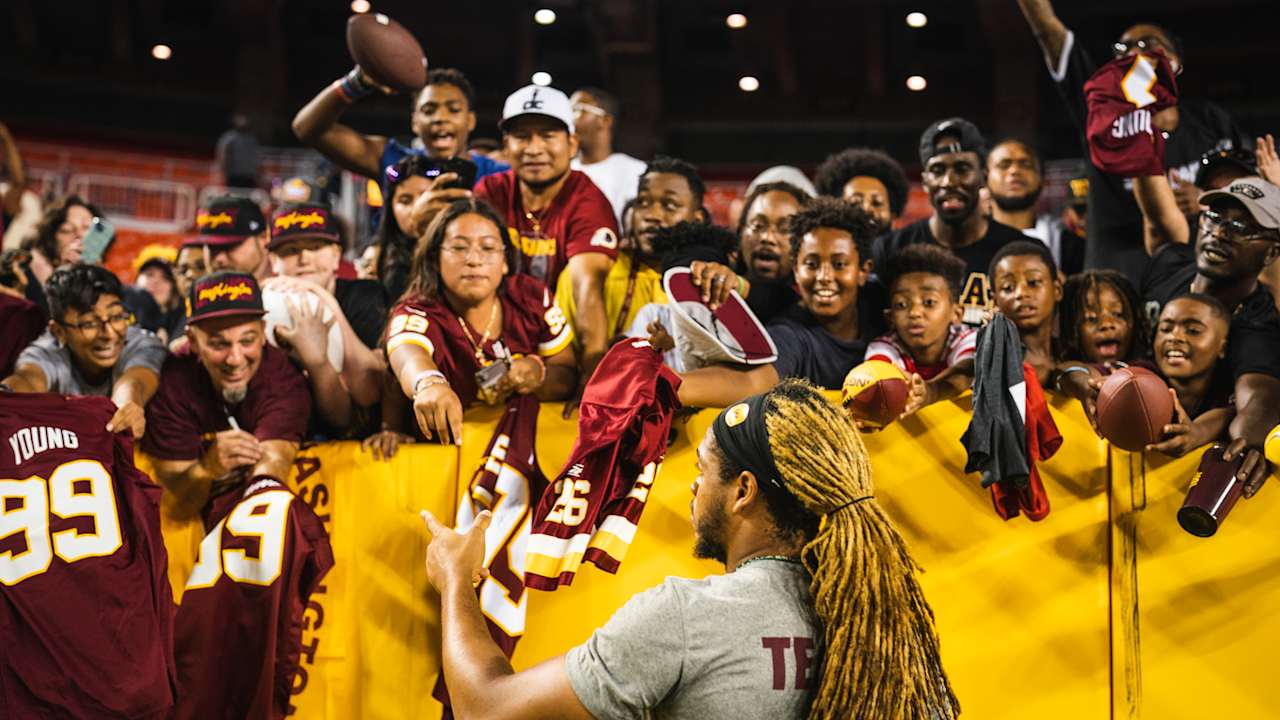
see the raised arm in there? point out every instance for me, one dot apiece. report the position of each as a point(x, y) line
point(719, 386)
point(1048, 29)
point(317, 126)
point(12, 199)
point(1162, 222)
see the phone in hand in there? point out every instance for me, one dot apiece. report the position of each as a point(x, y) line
point(489, 375)
point(100, 236)
point(462, 167)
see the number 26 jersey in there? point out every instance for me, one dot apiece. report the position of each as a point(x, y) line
point(86, 619)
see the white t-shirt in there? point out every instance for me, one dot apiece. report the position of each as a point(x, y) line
point(617, 177)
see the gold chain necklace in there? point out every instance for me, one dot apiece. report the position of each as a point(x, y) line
point(484, 338)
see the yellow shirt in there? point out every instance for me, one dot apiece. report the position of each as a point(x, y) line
point(647, 289)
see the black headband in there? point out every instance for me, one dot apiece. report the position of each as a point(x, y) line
point(743, 437)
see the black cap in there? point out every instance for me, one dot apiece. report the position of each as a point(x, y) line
point(228, 220)
point(968, 139)
point(297, 221)
point(223, 294)
point(1243, 160)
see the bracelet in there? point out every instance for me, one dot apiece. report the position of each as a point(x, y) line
point(426, 375)
point(353, 85)
point(742, 282)
point(1067, 371)
point(541, 366)
point(341, 93)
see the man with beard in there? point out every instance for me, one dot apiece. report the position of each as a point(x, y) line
point(230, 407)
point(669, 192)
point(953, 156)
point(1115, 224)
point(1015, 181)
point(764, 247)
point(1238, 236)
point(561, 220)
point(784, 500)
point(594, 114)
point(91, 347)
point(443, 117)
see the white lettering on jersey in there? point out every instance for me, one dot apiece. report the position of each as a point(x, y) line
point(31, 441)
point(1134, 123)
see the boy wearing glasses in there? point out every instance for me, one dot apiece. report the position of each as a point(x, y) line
point(953, 156)
point(92, 347)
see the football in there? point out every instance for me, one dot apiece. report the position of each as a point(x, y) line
point(875, 393)
point(386, 51)
point(1134, 405)
point(276, 303)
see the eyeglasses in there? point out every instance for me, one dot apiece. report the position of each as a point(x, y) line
point(589, 109)
point(119, 322)
point(782, 228)
point(487, 255)
point(1211, 221)
point(1143, 44)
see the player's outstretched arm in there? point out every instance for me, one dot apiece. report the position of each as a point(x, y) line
point(481, 682)
point(719, 386)
point(316, 125)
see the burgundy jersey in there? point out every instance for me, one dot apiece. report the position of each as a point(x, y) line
point(186, 407)
point(21, 322)
point(507, 483)
point(1122, 98)
point(531, 324)
point(86, 617)
point(591, 511)
point(239, 627)
point(578, 220)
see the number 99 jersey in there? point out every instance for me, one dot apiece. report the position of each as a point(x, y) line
point(239, 627)
point(86, 619)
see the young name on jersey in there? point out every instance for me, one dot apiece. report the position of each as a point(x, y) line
point(31, 441)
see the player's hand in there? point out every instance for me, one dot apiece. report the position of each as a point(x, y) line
point(1186, 194)
point(383, 445)
point(524, 377)
point(308, 339)
point(367, 80)
point(439, 413)
point(1268, 160)
point(1253, 470)
point(434, 199)
point(453, 556)
point(131, 417)
point(715, 280)
point(232, 449)
point(1182, 436)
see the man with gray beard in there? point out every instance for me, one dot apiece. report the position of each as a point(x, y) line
point(230, 407)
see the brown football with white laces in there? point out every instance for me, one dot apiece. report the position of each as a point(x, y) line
point(386, 51)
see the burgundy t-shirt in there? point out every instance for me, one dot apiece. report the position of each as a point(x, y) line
point(187, 406)
point(578, 220)
point(21, 322)
point(85, 606)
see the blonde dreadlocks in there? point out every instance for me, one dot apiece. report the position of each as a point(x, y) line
point(881, 658)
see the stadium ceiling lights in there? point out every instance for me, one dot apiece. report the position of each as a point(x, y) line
point(541, 78)
point(748, 83)
point(736, 21)
point(360, 7)
point(917, 19)
point(161, 52)
point(916, 83)
point(545, 16)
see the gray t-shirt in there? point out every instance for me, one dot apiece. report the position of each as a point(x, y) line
point(141, 349)
point(743, 645)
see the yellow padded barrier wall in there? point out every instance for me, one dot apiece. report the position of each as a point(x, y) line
point(1027, 611)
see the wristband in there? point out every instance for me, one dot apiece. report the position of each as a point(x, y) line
point(742, 286)
point(1067, 371)
point(353, 85)
point(342, 94)
point(425, 376)
point(542, 366)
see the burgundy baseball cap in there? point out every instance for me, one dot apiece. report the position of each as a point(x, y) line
point(730, 333)
point(227, 221)
point(299, 221)
point(223, 294)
